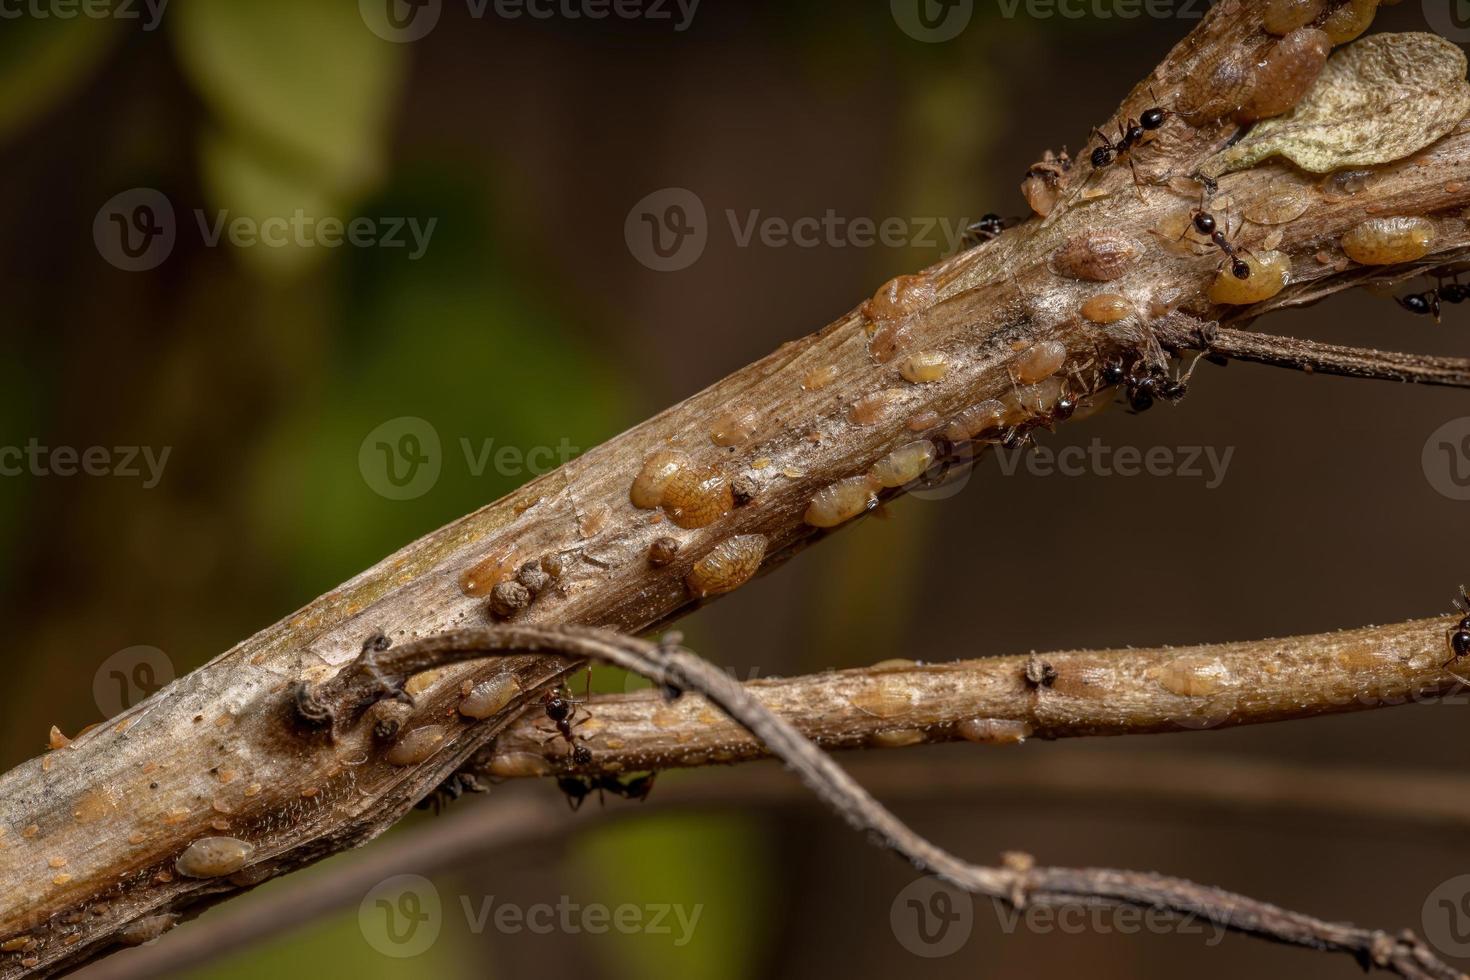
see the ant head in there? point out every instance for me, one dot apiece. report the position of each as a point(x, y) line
point(1113, 373)
point(1240, 268)
point(1103, 156)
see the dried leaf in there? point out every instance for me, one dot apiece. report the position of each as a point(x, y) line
point(1377, 101)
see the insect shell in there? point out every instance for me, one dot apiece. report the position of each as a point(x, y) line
point(1389, 241)
point(731, 564)
point(842, 501)
point(1096, 256)
point(214, 857)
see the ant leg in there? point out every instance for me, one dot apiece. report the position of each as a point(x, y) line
point(1192, 365)
point(1137, 184)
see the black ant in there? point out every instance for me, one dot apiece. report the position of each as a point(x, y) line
point(561, 708)
point(578, 788)
point(1132, 133)
point(987, 228)
point(1428, 302)
point(1206, 225)
point(1143, 390)
point(1459, 637)
point(450, 790)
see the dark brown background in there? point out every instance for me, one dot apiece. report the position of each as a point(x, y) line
point(530, 141)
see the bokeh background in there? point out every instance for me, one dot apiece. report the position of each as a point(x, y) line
point(528, 320)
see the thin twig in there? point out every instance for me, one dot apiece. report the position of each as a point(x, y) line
point(1183, 334)
point(1018, 883)
point(1007, 699)
point(1098, 781)
point(148, 784)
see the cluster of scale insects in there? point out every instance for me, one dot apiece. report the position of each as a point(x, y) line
point(1133, 133)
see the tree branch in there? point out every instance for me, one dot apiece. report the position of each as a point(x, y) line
point(1003, 700)
point(1018, 882)
point(511, 823)
point(92, 835)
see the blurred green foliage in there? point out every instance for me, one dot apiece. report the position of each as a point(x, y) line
point(298, 104)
